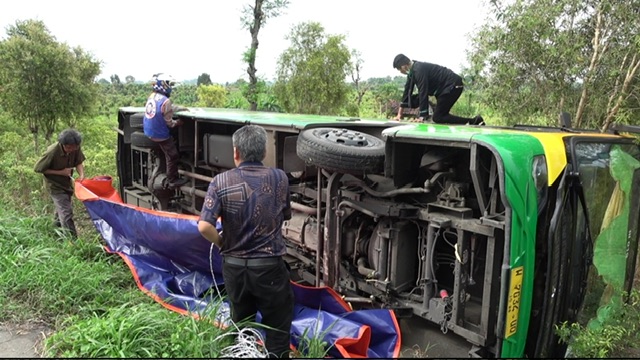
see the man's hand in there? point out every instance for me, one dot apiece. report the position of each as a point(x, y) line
point(209, 232)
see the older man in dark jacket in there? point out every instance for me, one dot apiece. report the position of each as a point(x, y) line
point(57, 164)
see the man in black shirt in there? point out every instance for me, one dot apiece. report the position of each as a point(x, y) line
point(435, 80)
point(253, 201)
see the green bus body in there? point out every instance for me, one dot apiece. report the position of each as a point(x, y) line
point(539, 209)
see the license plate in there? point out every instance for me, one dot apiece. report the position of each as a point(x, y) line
point(513, 309)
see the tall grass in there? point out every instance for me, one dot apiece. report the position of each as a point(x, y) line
point(138, 329)
point(89, 299)
point(45, 275)
point(84, 295)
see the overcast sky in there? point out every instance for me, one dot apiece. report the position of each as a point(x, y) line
point(189, 37)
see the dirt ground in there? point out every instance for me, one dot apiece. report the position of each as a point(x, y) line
point(21, 341)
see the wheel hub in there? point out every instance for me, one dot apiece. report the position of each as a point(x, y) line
point(346, 137)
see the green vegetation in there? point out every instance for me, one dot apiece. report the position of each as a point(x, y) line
point(254, 17)
point(138, 329)
point(537, 58)
point(312, 70)
point(86, 296)
point(534, 60)
point(45, 277)
point(43, 82)
point(614, 338)
point(211, 96)
point(308, 344)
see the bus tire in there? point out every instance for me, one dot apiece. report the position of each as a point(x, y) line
point(139, 139)
point(341, 150)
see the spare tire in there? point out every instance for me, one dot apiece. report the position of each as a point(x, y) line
point(138, 138)
point(341, 150)
point(135, 120)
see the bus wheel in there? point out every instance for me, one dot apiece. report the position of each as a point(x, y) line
point(341, 150)
point(139, 139)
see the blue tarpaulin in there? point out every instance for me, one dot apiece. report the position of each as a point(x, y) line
point(171, 262)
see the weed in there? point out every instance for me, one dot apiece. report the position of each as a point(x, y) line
point(611, 338)
point(312, 345)
point(86, 295)
point(140, 329)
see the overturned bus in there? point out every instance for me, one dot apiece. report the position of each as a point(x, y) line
point(481, 239)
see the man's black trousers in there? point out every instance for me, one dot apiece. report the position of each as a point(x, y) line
point(265, 288)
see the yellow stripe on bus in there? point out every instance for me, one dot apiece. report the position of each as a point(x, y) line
point(554, 151)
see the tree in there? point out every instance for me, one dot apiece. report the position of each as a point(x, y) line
point(311, 72)
point(43, 81)
point(253, 18)
point(211, 96)
point(360, 87)
point(542, 57)
point(204, 79)
point(129, 79)
point(115, 80)
point(387, 96)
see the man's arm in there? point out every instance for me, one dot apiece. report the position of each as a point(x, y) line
point(287, 201)
point(178, 108)
point(408, 87)
point(43, 164)
point(167, 113)
point(80, 164)
point(209, 215)
point(61, 172)
point(422, 81)
point(209, 232)
point(399, 116)
point(80, 169)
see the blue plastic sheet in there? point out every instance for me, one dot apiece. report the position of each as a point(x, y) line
point(175, 265)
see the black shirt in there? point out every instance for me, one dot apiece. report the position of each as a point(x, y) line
point(430, 79)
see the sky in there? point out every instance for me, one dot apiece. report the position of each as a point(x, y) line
point(189, 37)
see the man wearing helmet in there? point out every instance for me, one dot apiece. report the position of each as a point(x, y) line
point(157, 122)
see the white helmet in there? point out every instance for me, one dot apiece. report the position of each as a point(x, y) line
point(163, 83)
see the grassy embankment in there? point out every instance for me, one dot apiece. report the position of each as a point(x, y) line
point(86, 297)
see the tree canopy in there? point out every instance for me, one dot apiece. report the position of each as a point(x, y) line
point(44, 82)
point(211, 95)
point(311, 72)
point(204, 79)
point(542, 57)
